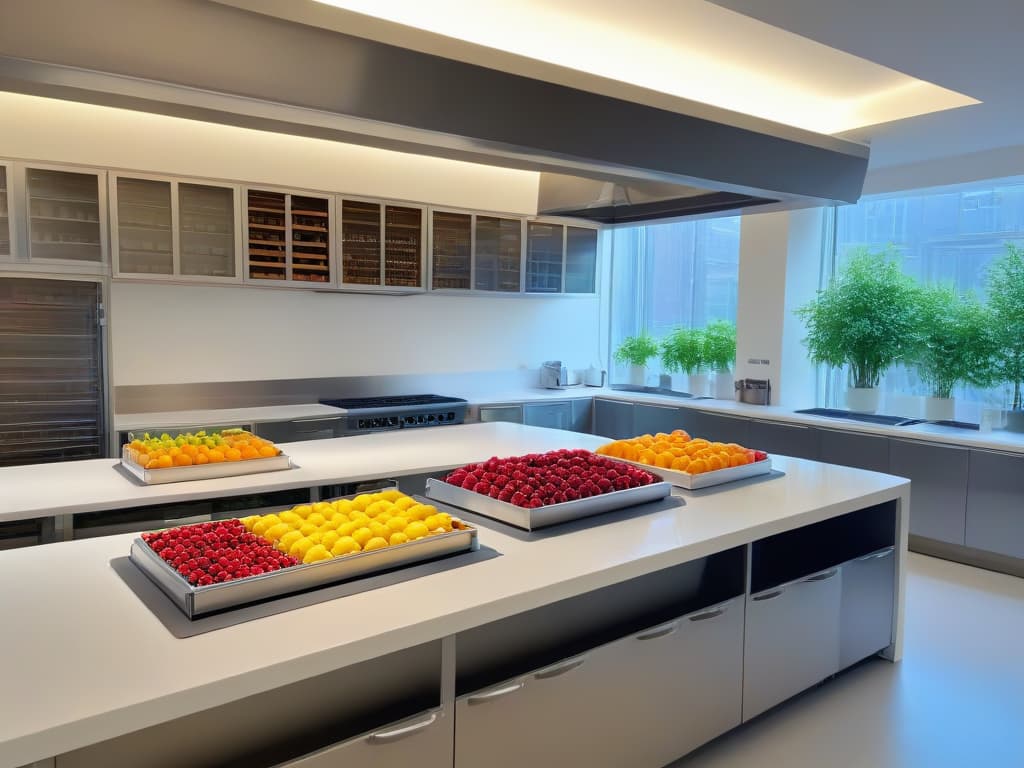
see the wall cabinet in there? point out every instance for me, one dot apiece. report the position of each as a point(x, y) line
point(995, 502)
point(784, 439)
point(580, 260)
point(169, 228)
point(451, 236)
point(613, 419)
point(498, 254)
point(852, 449)
point(289, 237)
point(560, 258)
point(866, 606)
point(67, 214)
point(938, 498)
point(6, 236)
point(382, 244)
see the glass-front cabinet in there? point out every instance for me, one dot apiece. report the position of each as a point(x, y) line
point(451, 250)
point(175, 229)
point(6, 238)
point(382, 245)
point(580, 260)
point(289, 237)
point(498, 254)
point(545, 245)
point(66, 215)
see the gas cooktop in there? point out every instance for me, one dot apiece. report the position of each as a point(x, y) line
point(373, 414)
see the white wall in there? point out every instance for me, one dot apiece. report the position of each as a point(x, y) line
point(164, 334)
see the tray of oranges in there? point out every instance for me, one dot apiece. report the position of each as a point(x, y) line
point(690, 462)
point(200, 456)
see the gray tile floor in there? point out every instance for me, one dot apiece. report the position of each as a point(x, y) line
point(956, 699)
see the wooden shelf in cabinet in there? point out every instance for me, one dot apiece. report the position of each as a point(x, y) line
point(313, 267)
point(269, 264)
point(259, 209)
point(317, 214)
point(278, 227)
point(308, 244)
point(307, 228)
point(253, 241)
point(265, 252)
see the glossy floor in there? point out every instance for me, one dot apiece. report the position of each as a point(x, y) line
point(956, 699)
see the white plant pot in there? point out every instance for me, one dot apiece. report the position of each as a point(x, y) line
point(862, 399)
point(637, 375)
point(725, 386)
point(697, 384)
point(939, 408)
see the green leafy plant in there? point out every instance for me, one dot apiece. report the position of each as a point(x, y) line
point(956, 340)
point(637, 350)
point(865, 318)
point(1006, 301)
point(720, 345)
point(683, 351)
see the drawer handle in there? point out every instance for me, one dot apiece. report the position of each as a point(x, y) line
point(822, 576)
point(483, 698)
point(384, 737)
point(768, 595)
point(712, 614)
point(559, 669)
point(662, 631)
point(875, 555)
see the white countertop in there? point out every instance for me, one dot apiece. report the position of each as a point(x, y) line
point(124, 671)
point(222, 416)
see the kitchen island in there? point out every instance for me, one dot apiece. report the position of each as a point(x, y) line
point(751, 592)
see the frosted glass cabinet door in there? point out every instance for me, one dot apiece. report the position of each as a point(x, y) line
point(144, 239)
point(403, 246)
point(206, 222)
point(580, 260)
point(544, 250)
point(5, 222)
point(64, 215)
point(452, 249)
point(498, 254)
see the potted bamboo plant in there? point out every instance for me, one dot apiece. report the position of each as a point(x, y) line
point(635, 351)
point(1006, 302)
point(956, 343)
point(682, 352)
point(720, 353)
point(866, 320)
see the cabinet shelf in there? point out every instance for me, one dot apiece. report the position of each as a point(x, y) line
point(76, 200)
point(277, 227)
point(313, 267)
point(260, 209)
point(265, 252)
point(63, 219)
point(309, 244)
point(254, 241)
point(307, 228)
point(303, 212)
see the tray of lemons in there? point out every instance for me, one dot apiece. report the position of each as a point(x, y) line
point(316, 545)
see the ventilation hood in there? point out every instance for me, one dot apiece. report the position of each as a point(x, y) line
point(291, 68)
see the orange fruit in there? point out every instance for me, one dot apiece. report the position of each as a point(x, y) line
point(664, 460)
point(165, 461)
point(233, 454)
point(697, 466)
point(248, 452)
point(681, 463)
point(143, 459)
point(183, 460)
point(737, 460)
point(715, 462)
point(174, 452)
point(216, 456)
point(267, 451)
point(202, 458)
point(153, 464)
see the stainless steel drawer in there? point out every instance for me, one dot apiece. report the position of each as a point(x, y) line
point(792, 639)
point(866, 615)
point(320, 428)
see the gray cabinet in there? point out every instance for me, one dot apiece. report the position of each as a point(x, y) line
point(424, 740)
point(995, 502)
point(551, 415)
point(319, 428)
point(651, 419)
point(784, 439)
point(792, 639)
point(670, 688)
point(938, 497)
point(866, 606)
point(852, 449)
point(509, 413)
point(718, 427)
point(613, 419)
point(583, 415)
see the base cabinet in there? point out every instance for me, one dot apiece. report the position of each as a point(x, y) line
point(995, 510)
point(643, 700)
point(423, 741)
point(938, 493)
point(784, 439)
point(866, 607)
point(613, 419)
point(792, 639)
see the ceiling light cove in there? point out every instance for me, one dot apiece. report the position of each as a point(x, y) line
point(688, 49)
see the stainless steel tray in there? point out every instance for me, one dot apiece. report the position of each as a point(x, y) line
point(205, 471)
point(531, 519)
point(198, 601)
point(708, 479)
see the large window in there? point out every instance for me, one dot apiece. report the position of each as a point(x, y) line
point(670, 275)
point(948, 235)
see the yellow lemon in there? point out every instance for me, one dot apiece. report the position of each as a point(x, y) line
point(275, 532)
point(303, 510)
point(433, 523)
point(329, 539)
point(346, 545)
point(329, 525)
point(260, 526)
point(361, 502)
point(316, 519)
point(308, 528)
point(377, 507)
point(249, 522)
point(286, 541)
point(391, 495)
point(380, 530)
point(404, 503)
point(397, 523)
point(301, 547)
point(322, 506)
point(342, 505)
point(346, 529)
point(339, 517)
point(398, 537)
point(416, 512)
point(362, 535)
point(377, 542)
point(290, 517)
point(416, 530)
point(315, 554)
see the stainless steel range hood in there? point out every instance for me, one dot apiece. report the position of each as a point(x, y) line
point(286, 67)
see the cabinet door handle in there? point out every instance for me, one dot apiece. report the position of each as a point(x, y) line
point(662, 631)
point(768, 595)
point(822, 576)
point(559, 669)
point(483, 698)
point(875, 555)
point(712, 614)
point(382, 737)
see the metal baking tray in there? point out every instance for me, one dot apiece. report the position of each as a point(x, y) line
point(204, 471)
point(198, 601)
point(707, 479)
point(531, 519)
